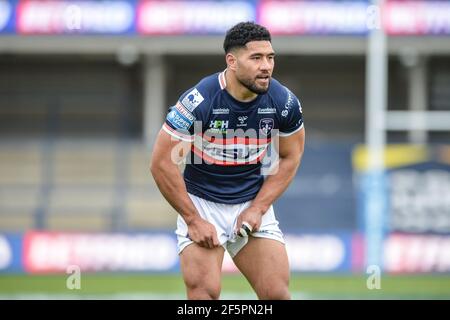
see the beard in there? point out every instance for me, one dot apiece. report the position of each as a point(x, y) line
point(253, 86)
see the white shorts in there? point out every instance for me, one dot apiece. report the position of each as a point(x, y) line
point(224, 218)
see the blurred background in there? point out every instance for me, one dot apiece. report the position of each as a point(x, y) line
point(84, 89)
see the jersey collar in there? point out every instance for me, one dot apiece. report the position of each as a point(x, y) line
point(222, 80)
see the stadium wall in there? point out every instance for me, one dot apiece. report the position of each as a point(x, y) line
point(37, 252)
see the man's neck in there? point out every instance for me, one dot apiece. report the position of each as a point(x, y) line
point(236, 89)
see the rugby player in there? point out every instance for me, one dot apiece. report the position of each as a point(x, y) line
point(224, 127)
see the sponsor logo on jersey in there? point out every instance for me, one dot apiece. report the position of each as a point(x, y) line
point(242, 121)
point(299, 106)
point(192, 100)
point(237, 150)
point(266, 110)
point(182, 110)
point(289, 101)
point(239, 154)
point(218, 126)
point(266, 126)
point(177, 120)
point(221, 111)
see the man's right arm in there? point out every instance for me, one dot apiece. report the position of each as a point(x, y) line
point(167, 153)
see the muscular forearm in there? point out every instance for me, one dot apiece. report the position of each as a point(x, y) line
point(275, 184)
point(171, 184)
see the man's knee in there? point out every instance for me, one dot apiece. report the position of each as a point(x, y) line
point(274, 292)
point(202, 291)
point(202, 272)
point(203, 285)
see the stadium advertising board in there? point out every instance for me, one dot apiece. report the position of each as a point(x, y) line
point(414, 190)
point(417, 17)
point(319, 252)
point(10, 253)
point(316, 252)
point(320, 17)
point(197, 17)
point(151, 17)
point(409, 253)
point(419, 198)
point(75, 17)
point(6, 16)
point(54, 252)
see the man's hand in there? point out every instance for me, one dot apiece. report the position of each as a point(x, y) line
point(290, 150)
point(203, 233)
point(252, 215)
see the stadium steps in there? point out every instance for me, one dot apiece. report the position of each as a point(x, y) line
point(16, 221)
point(20, 181)
point(20, 164)
point(139, 167)
point(19, 198)
point(25, 118)
point(144, 204)
point(79, 184)
point(144, 212)
point(89, 221)
point(78, 164)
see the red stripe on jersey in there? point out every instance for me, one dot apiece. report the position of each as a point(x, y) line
point(237, 140)
point(209, 159)
point(177, 133)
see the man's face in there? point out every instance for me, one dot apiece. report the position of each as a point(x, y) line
point(254, 66)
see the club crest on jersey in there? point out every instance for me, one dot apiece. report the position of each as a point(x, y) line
point(192, 100)
point(266, 126)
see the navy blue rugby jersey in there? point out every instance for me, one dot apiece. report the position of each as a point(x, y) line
point(230, 138)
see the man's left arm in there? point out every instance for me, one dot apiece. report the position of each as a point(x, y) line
point(290, 150)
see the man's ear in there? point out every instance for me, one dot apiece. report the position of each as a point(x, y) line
point(231, 61)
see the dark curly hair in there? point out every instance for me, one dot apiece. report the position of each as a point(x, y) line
point(243, 32)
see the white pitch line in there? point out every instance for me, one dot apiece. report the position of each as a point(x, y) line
point(133, 296)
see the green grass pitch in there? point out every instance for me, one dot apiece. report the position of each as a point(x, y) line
point(170, 286)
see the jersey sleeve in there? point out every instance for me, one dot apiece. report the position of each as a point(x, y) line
point(291, 115)
point(181, 118)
